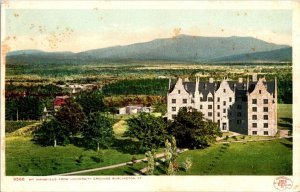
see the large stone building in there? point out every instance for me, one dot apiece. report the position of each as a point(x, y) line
point(248, 107)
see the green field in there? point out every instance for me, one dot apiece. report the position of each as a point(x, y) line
point(251, 158)
point(26, 158)
point(285, 116)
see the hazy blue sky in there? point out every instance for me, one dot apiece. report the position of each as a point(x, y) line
point(79, 30)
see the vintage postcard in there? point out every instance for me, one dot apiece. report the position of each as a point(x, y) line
point(150, 95)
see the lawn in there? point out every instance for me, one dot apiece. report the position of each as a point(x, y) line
point(23, 157)
point(251, 158)
point(285, 116)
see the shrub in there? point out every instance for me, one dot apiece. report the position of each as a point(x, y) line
point(187, 164)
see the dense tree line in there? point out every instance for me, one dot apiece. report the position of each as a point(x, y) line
point(137, 87)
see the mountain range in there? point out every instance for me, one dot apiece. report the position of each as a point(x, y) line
point(180, 48)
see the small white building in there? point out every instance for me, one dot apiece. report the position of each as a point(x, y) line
point(131, 109)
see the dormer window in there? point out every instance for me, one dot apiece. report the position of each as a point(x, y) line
point(178, 91)
point(259, 91)
point(224, 90)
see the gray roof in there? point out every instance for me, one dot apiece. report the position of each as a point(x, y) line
point(240, 88)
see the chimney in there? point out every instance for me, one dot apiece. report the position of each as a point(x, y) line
point(197, 86)
point(211, 80)
point(240, 80)
point(254, 77)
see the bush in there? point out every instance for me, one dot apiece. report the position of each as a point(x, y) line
point(187, 164)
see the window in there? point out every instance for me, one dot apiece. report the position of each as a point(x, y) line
point(254, 101)
point(254, 117)
point(265, 117)
point(173, 100)
point(224, 110)
point(178, 91)
point(259, 91)
point(218, 106)
point(254, 109)
point(173, 108)
point(254, 132)
point(238, 121)
point(239, 106)
point(254, 125)
point(173, 116)
point(218, 114)
point(209, 106)
point(210, 99)
point(218, 99)
point(266, 125)
point(184, 101)
point(265, 101)
point(209, 114)
point(239, 114)
point(266, 109)
point(200, 106)
point(224, 103)
point(192, 101)
point(230, 99)
point(224, 126)
point(230, 106)
point(266, 133)
point(224, 90)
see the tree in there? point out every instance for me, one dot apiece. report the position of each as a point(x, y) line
point(171, 155)
point(51, 132)
point(151, 163)
point(71, 115)
point(98, 130)
point(148, 129)
point(91, 101)
point(192, 130)
point(29, 108)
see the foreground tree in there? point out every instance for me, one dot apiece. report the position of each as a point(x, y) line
point(98, 131)
point(51, 133)
point(72, 116)
point(148, 129)
point(191, 130)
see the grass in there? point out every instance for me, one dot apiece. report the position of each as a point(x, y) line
point(125, 170)
point(252, 158)
point(23, 157)
point(285, 116)
point(245, 138)
point(11, 126)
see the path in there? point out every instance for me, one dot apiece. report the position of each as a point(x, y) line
point(113, 166)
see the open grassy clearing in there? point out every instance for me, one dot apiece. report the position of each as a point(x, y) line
point(23, 157)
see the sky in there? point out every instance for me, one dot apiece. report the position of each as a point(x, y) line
point(85, 29)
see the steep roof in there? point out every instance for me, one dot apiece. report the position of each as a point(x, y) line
point(240, 88)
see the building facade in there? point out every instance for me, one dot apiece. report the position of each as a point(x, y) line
point(247, 107)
